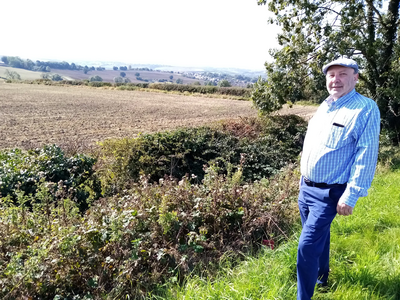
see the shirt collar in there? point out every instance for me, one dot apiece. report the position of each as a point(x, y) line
point(342, 100)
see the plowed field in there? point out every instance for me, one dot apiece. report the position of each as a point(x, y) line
point(33, 115)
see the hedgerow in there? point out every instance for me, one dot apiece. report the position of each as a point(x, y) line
point(172, 203)
point(124, 246)
point(243, 93)
point(22, 171)
point(268, 145)
point(200, 89)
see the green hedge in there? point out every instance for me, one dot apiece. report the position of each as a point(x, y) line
point(22, 171)
point(173, 203)
point(181, 88)
point(232, 91)
point(274, 142)
point(124, 247)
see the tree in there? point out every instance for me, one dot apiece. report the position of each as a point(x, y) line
point(224, 83)
point(86, 69)
point(56, 77)
point(46, 76)
point(12, 75)
point(171, 77)
point(137, 74)
point(122, 74)
point(316, 32)
point(28, 64)
point(120, 79)
point(4, 59)
point(179, 81)
point(115, 68)
point(15, 62)
point(95, 78)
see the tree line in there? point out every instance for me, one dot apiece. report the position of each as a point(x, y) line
point(45, 66)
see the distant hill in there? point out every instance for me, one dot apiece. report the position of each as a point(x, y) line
point(145, 76)
point(230, 71)
point(108, 70)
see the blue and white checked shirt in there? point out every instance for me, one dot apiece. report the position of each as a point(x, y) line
point(341, 144)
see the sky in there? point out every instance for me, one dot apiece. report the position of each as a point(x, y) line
point(202, 33)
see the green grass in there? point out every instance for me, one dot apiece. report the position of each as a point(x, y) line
point(365, 258)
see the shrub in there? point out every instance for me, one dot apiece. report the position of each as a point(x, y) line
point(56, 77)
point(95, 78)
point(242, 93)
point(99, 84)
point(159, 228)
point(131, 84)
point(22, 171)
point(224, 83)
point(74, 82)
point(12, 75)
point(126, 246)
point(233, 91)
point(268, 145)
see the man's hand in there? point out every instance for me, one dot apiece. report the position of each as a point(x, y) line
point(344, 209)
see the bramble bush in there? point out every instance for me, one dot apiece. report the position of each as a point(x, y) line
point(126, 246)
point(173, 203)
point(22, 171)
point(268, 144)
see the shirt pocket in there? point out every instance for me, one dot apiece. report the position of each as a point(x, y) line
point(336, 137)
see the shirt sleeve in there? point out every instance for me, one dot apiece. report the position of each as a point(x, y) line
point(366, 155)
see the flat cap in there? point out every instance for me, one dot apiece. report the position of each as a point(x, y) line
point(345, 62)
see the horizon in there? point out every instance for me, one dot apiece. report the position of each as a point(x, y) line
point(179, 33)
point(110, 63)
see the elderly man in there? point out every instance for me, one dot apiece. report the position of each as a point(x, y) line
point(337, 166)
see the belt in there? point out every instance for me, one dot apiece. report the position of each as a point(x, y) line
point(321, 184)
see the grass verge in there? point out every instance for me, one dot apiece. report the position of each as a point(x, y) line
point(365, 258)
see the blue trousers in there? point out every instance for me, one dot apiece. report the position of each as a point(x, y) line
point(317, 210)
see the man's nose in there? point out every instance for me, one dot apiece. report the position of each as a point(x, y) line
point(335, 78)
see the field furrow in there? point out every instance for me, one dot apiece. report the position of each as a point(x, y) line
point(33, 115)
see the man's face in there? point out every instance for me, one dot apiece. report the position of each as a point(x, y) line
point(340, 81)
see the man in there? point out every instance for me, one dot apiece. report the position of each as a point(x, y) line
point(337, 166)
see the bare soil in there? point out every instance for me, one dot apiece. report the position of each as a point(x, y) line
point(304, 111)
point(33, 115)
